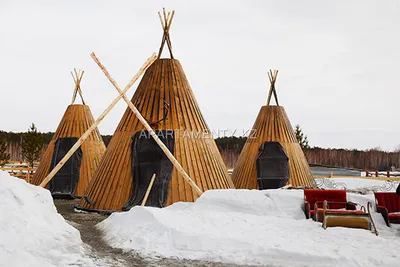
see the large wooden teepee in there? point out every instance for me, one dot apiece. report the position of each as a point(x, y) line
point(75, 121)
point(165, 99)
point(272, 125)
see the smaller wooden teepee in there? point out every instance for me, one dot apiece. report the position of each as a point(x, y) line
point(272, 125)
point(74, 176)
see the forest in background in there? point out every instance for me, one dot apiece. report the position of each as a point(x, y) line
point(230, 148)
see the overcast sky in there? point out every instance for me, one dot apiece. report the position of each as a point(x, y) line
point(339, 62)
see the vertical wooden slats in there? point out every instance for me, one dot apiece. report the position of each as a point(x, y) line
point(272, 124)
point(199, 156)
point(76, 120)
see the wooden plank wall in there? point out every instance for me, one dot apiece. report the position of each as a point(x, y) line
point(165, 81)
point(272, 124)
point(76, 120)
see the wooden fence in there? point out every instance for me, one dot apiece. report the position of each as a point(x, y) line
point(20, 170)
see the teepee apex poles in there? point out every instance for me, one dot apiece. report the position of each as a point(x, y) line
point(272, 78)
point(149, 129)
point(166, 21)
point(78, 143)
point(77, 76)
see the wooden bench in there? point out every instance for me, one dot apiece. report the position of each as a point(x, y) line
point(336, 200)
point(332, 209)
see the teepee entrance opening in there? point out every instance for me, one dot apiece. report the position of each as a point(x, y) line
point(66, 180)
point(272, 166)
point(149, 159)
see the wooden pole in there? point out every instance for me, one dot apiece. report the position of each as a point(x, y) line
point(270, 89)
point(166, 24)
point(274, 90)
point(148, 190)
point(75, 89)
point(79, 76)
point(78, 143)
point(148, 128)
point(77, 79)
point(28, 176)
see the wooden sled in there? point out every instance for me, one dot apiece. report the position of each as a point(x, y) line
point(351, 219)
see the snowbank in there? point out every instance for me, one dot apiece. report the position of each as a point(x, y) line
point(32, 233)
point(250, 227)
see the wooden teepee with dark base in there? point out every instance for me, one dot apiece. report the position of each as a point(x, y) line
point(272, 152)
point(166, 101)
point(74, 177)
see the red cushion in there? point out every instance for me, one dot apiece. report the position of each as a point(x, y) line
point(389, 200)
point(312, 196)
point(394, 217)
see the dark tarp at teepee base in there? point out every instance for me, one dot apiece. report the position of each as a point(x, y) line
point(272, 166)
point(149, 159)
point(64, 183)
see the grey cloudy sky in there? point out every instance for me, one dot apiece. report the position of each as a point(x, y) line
point(338, 61)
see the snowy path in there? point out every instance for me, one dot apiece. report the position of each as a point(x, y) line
point(104, 255)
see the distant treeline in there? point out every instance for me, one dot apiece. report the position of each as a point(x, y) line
point(373, 159)
point(230, 148)
point(14, 142)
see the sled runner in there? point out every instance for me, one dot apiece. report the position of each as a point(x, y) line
point(346, 218)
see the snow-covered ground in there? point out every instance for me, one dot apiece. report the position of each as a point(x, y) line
point(32, 233)
point(251, 227)
point(232, 226)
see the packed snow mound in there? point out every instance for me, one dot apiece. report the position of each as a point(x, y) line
point(32, 233)
point(250, 227)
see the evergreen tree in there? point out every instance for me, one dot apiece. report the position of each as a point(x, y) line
point(4, 156)
point(32, 143)
point(301, 137)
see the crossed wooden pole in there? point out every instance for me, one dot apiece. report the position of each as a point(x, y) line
point(272, 79)
point(78, 143)
point(139, 116)
point(149, 129)
point(77, 76)
point(166, 21)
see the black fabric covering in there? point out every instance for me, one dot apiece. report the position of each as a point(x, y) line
point(398, 190)
point(272, 166)
point(65, 181)
point(147, 159)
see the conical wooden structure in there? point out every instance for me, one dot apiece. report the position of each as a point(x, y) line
point(75, 121)
point(165, 99)
point(272, 125)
